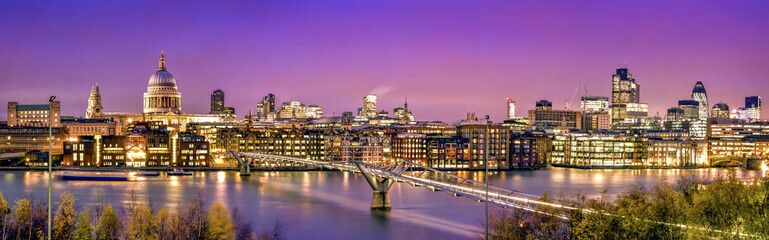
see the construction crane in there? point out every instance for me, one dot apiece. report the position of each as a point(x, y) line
point(571, 99)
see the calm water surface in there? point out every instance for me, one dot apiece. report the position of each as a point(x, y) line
point(335, 205)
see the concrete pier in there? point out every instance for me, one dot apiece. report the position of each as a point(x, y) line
point(380, 201)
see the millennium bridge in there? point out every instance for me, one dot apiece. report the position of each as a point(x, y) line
point(381, 178)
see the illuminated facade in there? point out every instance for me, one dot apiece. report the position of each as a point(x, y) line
point(529, 150)
point(624, 94)
point(77, 127)
point(313, 111)
point(266, 108)
point(675, 153)
point(475, 133)
point(720, 110)
point(596, 121)
point(412, 147)
point(725, 150)
point(34, 115)
point(543, 105)
point(510, 109)
point(598, 150)
point(701, 96)
point(369, 106)
point(162, 95)
point(27, 139)
point(94, 103)
point(752, 110)
point(217, 102)
point(560, 119)
point(594, 104)
point(192, 150)
point(736, 129)
point(690, 108)
point(105, 151)
point(375, 150)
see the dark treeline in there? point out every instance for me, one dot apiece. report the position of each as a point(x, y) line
point(27, 219)
point(722, 209)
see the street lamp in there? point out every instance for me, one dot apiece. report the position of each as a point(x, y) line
point(486, 167)
point(50, 160)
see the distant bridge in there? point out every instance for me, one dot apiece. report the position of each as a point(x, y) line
point(745, 161)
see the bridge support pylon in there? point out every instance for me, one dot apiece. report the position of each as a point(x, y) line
point(245, 164)
point(380, 200)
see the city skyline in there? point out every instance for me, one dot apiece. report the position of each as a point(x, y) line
point(446, 67)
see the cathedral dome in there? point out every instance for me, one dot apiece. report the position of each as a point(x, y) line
point(162, 95)
point(162, 78)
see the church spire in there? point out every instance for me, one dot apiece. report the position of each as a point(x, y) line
point(162, 64)
point(249, 121)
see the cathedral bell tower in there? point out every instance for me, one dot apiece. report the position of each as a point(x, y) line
point(94, 103)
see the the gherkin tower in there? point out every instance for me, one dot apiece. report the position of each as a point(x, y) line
point(699, 95)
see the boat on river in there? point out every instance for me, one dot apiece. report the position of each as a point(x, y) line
point(96, 176)
point(178, 172)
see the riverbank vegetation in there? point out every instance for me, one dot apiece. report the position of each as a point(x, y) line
point(27, 219)
point(725, 208)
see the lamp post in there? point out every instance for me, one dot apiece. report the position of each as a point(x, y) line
point(50, 160)
point(486, 174)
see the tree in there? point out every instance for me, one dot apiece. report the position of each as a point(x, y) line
point(84, 228)
point(162, 218)
point(192, 218)
point(4, 210)
point(64, 222)
point(141, 224)
point(220, 225)
point(22, 217)
point(109, 224)
point(243, 229)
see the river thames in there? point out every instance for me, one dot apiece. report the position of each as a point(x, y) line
point(335, 205)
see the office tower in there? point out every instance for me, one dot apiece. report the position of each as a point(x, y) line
point(217, 102)
point(266, 108)
point(94, 103)
point(293, 109)
point(162, 95)
point(559, 119)
point(594, 104)
point(753, 108)
point(369, 106)
point(699, 95)
point(314, 111)
point(624, 90)
point(544, 105)
point(347, 118)
point(690, 108)
point(510, 109)
point(675, 114)
point(720, 110)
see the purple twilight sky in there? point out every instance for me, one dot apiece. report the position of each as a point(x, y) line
point(447, 57)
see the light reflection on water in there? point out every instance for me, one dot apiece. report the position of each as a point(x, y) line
point(335, 205)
